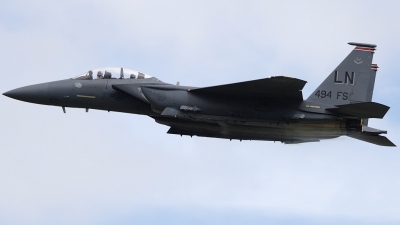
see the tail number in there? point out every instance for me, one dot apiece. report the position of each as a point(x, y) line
point(323, 94)
point(328, 94)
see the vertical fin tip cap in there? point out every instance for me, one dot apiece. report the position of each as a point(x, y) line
point(362, 44)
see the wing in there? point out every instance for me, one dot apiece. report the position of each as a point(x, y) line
point(273, 87)
point(362, 110)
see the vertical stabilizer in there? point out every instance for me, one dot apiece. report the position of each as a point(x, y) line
point(351, 82)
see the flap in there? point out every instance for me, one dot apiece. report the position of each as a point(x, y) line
point(273, 87)
point(362, 110)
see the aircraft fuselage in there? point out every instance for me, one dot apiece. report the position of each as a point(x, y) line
point(271, 109)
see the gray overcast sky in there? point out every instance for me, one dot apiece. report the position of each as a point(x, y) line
point(113, 168)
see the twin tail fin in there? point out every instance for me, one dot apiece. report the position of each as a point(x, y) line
point(348, 91)
point(352, 81)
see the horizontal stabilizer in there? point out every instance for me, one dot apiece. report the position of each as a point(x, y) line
point(279, 87)
point(362, 110)
point(373, 139)
point(372, 131)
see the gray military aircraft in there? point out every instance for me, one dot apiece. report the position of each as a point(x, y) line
point(270, 109)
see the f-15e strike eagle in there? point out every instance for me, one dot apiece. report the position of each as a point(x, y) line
point(269, 109)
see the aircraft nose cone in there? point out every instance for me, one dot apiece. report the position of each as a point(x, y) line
point(34, 93)
point(7, 94)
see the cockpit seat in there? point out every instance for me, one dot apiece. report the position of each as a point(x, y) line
point(99, 75)
point(107, 75)
point(140, 76)
point(90, 75)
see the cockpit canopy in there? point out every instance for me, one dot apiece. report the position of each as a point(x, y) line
point(113, 73)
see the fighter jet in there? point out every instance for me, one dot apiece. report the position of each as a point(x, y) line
point(269, 109)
